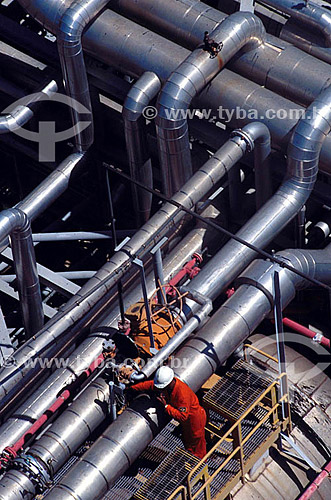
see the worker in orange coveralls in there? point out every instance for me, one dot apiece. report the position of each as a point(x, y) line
point(182, 404)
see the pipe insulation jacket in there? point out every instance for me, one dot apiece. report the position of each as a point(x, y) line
point(124, 440)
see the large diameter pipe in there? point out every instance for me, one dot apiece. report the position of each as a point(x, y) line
point(302, 168)
point(15, 222)
point(277, 65)
point(90, 348)
point(138, 246)
point(69, 42)
point(235, 32)
point(294, 34)
point(59, 442)
point(132, 49)
point(307, 13)
point(106, 461)
point(138, 98)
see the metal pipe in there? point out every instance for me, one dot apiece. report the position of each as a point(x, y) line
point(302, 167)
point(307, 332)
point(276, 65)
point(21, 114)
point(140, 95)
point(69, 41)
point(132, 49)
point(15, 223)
point(259, 139)
point(127, 438)
point(235, 32)
point(193, 323)
point(58, 443)
point(306, 13)
point(138, 246)
point(294, 34)
point(51, 188)
point(89, 349)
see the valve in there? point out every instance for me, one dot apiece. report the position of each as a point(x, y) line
point(209, 45)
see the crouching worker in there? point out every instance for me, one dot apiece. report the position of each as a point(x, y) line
point(182, 404)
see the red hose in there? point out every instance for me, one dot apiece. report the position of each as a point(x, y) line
point(307, 494)
point(12, 450)
point(305, 331)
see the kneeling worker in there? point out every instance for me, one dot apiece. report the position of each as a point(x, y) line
point(182, 404)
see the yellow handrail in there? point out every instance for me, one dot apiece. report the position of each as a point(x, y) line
point(209, 480)
point(249, 346)
point(211, 451)
point(181, 489)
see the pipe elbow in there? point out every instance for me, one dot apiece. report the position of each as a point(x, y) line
point(137, 377)
point(140, 95)
point(12, 219)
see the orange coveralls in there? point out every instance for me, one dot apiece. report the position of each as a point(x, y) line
point(183, 405)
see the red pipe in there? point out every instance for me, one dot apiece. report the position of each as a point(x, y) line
point(190, 269)
point(313, 487)
point(11, 451)
point(305, 331)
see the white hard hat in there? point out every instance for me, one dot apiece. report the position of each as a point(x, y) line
point(163, 377)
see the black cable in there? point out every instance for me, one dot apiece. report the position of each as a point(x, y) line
point(219, 228)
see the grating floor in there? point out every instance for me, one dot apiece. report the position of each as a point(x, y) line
point(168, 440)
point(237, 390)
point(168, 475)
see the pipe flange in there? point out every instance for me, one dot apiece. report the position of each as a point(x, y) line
point(34, 470)
point(245, 137)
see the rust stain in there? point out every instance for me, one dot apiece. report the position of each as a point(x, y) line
point(220, 61)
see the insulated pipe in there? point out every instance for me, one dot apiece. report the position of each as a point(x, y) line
point(58, 443)
point(294, 34)
point(258, 136)
point(51, 188)
point(235, 32)
point(277, 65)
point(132, 49)
point(21, 114)
point(15, 222)
point(90, 348)
point(127, 438)
point(144, 240)
point(193, 323)
point(140, 95)
point(302, 169)
point(306, 13)
point(69, 42)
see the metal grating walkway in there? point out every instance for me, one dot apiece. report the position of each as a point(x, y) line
point(237, 390)
point(166, 478)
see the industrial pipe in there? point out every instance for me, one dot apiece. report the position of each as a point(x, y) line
point(306, 13)
point(302, 167)
point(276, 65)
point(138, 246)
point(320, 339)
point(192, 324)
point(44, 397)
point(258, 137)
point(140, 95)
point(126, 439)
point(21, 114)
point(47, 455)
point(15, 223)
point(235, 32)
point(133, 50)
point(69, 41)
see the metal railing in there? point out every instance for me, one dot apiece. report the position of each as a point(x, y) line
point(186, 492)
